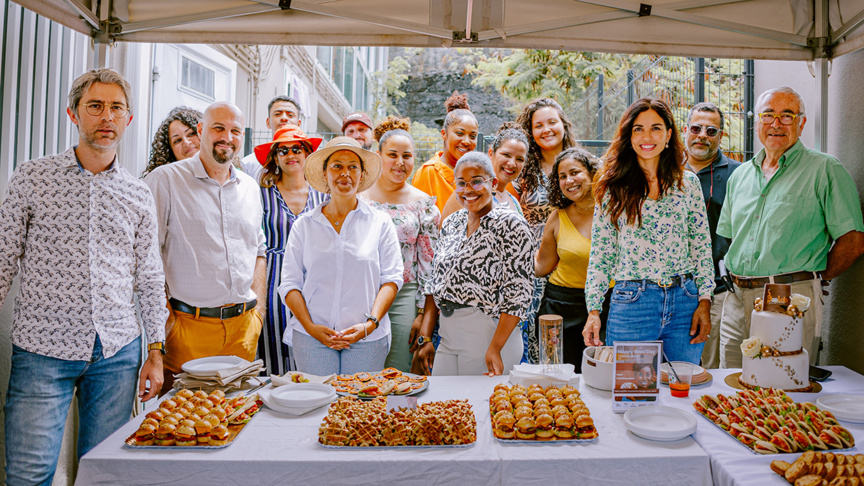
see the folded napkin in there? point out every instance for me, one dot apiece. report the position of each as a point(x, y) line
point(529, 374)
point(286, 379)
point(235, 378)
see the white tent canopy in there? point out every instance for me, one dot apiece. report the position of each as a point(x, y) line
point(751, 29)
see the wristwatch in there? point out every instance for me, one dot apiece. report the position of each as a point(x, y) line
point(154, 346)
point(370, 317)
point(422, 340)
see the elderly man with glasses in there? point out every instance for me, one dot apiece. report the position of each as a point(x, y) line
point(794, 217)
point(705, 125)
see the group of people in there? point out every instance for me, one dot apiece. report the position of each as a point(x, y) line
point(332, 258)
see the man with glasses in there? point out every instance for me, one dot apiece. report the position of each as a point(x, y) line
point(704, 131)
point(794, 217)
point(212, 246)
point(83, 232)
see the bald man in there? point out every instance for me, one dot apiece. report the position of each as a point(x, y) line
point(212, 245)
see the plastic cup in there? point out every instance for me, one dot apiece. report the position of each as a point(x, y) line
point(680, 385)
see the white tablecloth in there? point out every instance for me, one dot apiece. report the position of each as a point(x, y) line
point(281, 449)
point(734, 464)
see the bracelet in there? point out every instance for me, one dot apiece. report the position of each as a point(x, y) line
point(365, 335)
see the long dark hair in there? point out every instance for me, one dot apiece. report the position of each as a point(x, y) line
point(584, 158)
point(160, 150)
point(532, 173)
point(623, 178)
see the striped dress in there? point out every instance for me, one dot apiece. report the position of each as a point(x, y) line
point(278, 220)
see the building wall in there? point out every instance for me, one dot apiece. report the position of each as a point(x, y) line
point(843, 334)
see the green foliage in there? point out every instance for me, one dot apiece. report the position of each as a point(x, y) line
point(524, 75)
point(386, 87)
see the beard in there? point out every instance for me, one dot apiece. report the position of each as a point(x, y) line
point(699, 153)
point(223, 157)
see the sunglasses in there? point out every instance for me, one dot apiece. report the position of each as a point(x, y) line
point(294, 149)
point(710, 131)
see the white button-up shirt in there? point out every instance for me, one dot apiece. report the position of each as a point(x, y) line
point(210, 235)
point(339, 274)
point(85, 244)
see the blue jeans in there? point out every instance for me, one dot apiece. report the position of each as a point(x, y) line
point(314, 358)
point(647, 312)
point(40, 392)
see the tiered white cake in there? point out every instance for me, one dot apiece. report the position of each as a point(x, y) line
point(773, 356)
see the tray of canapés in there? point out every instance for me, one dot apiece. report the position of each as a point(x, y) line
point(814, 468)
point(354, 423)
point(389, 381)
point(199, 419)
point(535, 413)
point(768, 421)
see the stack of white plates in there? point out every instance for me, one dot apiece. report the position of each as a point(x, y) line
point(848, 408)
point(659, 423)
point(300, 398)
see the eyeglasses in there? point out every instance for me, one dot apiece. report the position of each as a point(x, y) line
point(95, 108)
point(697, 129)
point(295, 149)
point(475, 183)
point(785, 118)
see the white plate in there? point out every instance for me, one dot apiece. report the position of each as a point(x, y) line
point(849, 408)
point(268, 400)
point(212, 364)
point(697, 370)
point(303, 395)
point(660, 423)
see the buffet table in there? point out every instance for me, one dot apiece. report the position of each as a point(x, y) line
point(734, 464)
point(281, 449)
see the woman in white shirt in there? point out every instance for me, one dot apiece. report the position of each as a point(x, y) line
point(342, 267)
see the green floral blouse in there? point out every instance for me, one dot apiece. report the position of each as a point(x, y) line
point(672, 240)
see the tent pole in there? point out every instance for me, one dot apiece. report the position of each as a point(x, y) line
point(822, 66)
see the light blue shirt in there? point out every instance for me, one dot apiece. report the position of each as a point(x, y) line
point(339, 274)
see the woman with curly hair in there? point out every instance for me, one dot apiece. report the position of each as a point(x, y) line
point(566, 245)
point(435, 177)
point(285, 196)
point(416, 219)
point(650, 234)
point(550, 132)
point(175, 139)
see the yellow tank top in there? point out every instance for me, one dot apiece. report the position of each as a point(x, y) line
point(573, 252)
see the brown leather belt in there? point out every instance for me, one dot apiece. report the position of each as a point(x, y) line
point(786, 278)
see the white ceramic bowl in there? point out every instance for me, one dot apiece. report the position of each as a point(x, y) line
point(596, 374)
point(303, 395)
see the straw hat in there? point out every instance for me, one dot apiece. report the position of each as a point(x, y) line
point(314, 168)
point(288, 133)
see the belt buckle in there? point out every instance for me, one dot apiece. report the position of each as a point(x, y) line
point(229, 307)
point(665, 283)
point(446, 309)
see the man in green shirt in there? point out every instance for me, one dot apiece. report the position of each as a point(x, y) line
point(794, 217)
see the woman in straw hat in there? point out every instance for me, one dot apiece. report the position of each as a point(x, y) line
point(285, 195)
point(342, 267)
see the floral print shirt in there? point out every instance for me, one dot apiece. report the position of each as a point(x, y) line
point(417, 229)
point(673, 240)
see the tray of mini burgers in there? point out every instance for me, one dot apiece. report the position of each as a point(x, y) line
point(768, 421)
point(389, 381)
point(199, 419)
point(532, 414)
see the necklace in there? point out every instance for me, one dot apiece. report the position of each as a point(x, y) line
point(333, 218)
point(584, 210)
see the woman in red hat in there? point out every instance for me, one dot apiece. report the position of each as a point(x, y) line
point(286, 196)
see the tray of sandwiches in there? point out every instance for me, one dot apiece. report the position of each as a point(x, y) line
point(529, 415)
point(389, 381)
point(352, 423)
point(814, 468)
point(195, 420)
point(768, 421)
